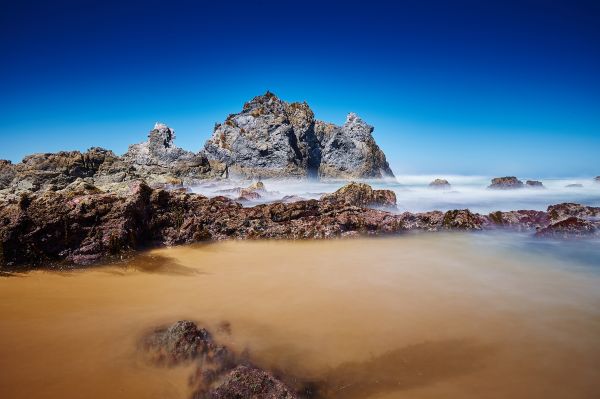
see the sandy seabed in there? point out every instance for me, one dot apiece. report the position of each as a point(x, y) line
point(417, 316)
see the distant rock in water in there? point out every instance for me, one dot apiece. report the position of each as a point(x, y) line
point(360, 194)
point(534, 184)
point(440, 184)
point(506, 183)
point(597, 179)
point(576, 185)
point(273, 138)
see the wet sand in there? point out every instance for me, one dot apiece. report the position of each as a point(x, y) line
point(424, 316)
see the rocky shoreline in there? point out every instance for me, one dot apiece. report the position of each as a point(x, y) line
point(83, 225)
point(81, 208)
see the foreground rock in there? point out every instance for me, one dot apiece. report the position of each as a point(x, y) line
point(506, 183)
point(218, 373)
point(84, 225)
point(440, 184)
point(273, 138)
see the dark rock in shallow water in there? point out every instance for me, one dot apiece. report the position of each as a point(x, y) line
point(361, 194)
point(440, 184)
point(219, 374)
point(178, 343)
point(534, 184)
point(575, 185)
point(272, 138)
point(597, 179)
point(249, 382)
point(506, 183)
point(568, 228)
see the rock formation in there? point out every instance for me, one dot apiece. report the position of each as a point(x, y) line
point(534, 184)
point(158, 161)
point(506, 183)
point(361, 194)
point(272, 138)
point(440, 184)
point(159, 156)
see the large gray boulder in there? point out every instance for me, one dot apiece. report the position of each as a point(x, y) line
point(272, 138)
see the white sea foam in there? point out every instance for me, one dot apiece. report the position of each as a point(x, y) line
point(415, 195)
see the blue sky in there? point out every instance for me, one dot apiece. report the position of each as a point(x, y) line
point(461, 87)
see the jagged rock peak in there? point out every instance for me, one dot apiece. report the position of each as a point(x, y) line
point(273, 138)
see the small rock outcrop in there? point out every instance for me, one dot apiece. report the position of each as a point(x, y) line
point(159, 158)
point(505, 183)
point(250, 382)
point(440, 184)
point(534, 184)
point(273, 138)
point(361, 194)
point(568, 228)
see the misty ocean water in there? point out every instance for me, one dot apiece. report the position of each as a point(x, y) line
point(429, 315)
point(415, 195)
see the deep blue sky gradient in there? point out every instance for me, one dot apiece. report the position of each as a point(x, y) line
point(475, 87)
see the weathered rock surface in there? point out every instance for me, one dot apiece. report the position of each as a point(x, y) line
point(440, 184)
point(159, 157)
point(361, 194)
point(250, 382)
point(568, 228)
point(84, 226)
point(534, 184)
point(158, 161)
point(272, 138)
point(506, 183)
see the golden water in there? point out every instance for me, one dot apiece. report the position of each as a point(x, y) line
point(426, 316)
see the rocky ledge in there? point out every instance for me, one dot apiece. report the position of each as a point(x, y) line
point(85, 225)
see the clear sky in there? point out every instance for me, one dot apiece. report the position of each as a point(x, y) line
point(457, 87)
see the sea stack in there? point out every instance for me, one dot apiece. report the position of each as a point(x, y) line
point(534, 184)
point(273, 138)
point(440, 184)
point(505, 183)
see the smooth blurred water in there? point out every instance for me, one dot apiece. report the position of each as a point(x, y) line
point(415, 195)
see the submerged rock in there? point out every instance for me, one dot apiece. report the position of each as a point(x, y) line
point(250, 382)
point(273, 138)
point(180, 342)
point(361, 194)
point(218, 373)
point(597, 179)
point(575, 185)
point(506, 183)
point(440, 184)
